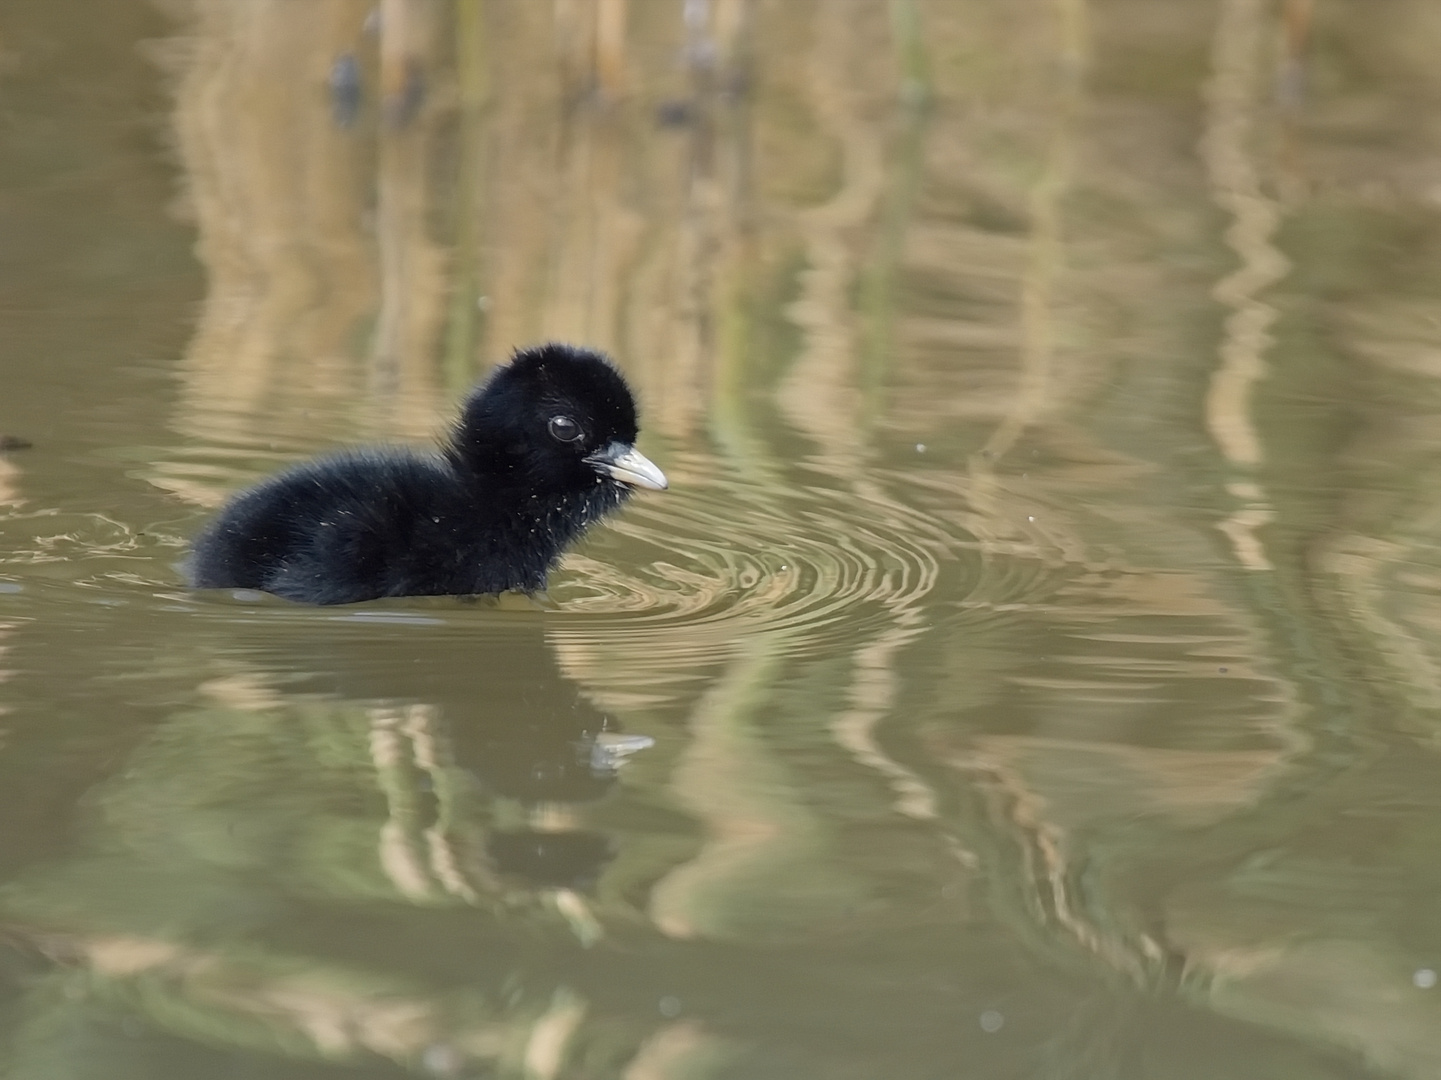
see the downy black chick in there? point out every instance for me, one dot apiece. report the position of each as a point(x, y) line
point(542, 449)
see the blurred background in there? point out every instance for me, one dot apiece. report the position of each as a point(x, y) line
point(1034, 669)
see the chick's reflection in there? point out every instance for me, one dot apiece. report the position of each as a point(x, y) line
point(475, 733)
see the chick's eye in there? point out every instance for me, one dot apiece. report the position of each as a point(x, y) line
point(564, 429)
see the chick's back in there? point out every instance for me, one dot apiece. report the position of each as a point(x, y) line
point(353, 526)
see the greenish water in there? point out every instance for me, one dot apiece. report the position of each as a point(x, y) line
point(1032, 671)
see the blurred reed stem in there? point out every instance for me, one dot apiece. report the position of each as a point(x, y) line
point(877, 303)
point(465, 321)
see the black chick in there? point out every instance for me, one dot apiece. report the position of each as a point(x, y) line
point(541, 450)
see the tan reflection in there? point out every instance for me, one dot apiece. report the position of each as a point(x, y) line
point(726, 779)
point(311, 1010)
point(251, 994)
point(1384, 561)
point(677, 1052)
point(1057, 790)
point(282, 199)
point(411, 270)
point(820, 394)
point(417, 849)
point(1238, 79)
point(1393, 588)
point(1038, 286)
point(331, 1013)
point(6, 629)
point(9, 496)
point(1359, 997)
point(545, 1050)
point(874, 688)
point(9, 482)
point(681, 250)
point(1084, 783)
point(1071, 781)
point(1048, 861)
point(1036, 266)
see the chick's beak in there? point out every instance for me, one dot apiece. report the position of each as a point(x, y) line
point(625, 463)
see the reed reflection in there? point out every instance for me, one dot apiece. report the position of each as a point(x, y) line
point(937, 600)
point(479, 733)
point(326, 777)
point(718, 260)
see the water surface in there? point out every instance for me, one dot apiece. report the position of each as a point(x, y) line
point(1031, 672)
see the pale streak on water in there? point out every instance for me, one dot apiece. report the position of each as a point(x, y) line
point(1032, 669)
point(1228, 148)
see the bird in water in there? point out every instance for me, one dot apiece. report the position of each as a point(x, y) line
point(542, 449)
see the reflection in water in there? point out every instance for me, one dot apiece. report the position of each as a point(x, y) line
point(515, 731)
point(955, 735)
point(1227, 148)
point(333, 775)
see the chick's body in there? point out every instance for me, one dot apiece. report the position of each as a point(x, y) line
point(542, 449)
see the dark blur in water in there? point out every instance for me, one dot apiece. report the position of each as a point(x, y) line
point(1033, 671)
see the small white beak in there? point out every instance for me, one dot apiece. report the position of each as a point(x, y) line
point(629, 466)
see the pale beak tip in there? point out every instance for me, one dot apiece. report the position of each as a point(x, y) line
point(629, 466)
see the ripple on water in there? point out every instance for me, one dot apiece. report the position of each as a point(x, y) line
point(677, 580)
point(682, 579)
